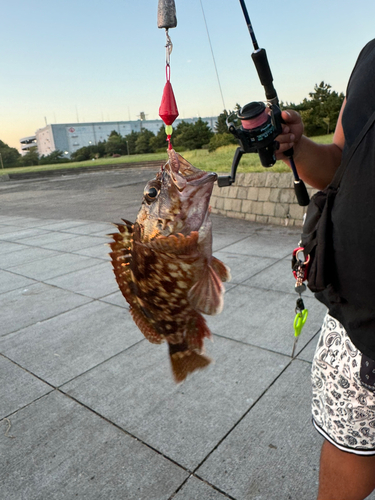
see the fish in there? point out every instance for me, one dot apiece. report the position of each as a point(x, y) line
point(164, 266)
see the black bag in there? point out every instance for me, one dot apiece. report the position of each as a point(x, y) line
point(316, 238)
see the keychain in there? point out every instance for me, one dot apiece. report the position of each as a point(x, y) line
point(299, 267)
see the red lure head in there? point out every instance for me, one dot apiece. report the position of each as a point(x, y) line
point(168, 111)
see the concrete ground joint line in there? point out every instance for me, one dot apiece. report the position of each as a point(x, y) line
point(243, 416)
point(51, 317)
point(57, 276)
point(28, 404)
point(101, 363)
point(262, 270)
point(213, 486)
point(180, 487)
point(122, 430)
point(28, 371)
point(251, 345)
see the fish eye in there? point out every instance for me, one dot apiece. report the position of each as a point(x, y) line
point(151, 193)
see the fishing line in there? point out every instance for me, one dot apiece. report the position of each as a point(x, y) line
point(213, 56)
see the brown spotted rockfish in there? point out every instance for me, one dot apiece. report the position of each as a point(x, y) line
point(164, 266)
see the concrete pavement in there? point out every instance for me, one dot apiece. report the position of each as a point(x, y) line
point(88, 408)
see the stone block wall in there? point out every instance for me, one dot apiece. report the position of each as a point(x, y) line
point(265, 197)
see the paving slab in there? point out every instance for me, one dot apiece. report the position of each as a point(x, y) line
point(63, 347)
point(10, 281)
point(24, 256)
point(18, 387)
point(307, 353)
point(276, 277)
point(195, 489)
point(265, 244)
point(10, 247)
point(62, 225)
point(97, 252)
point(242, 267)
point(221, 241)
point(76, 243)
point(276, 431)
point(265, 318)
point(56, 265)
point(6, 229)
point(60, 450)
point(33, 303)
point(116, 299)
point(46, 238)
point(21, 233)
point(99, 228)
point(26, 222)
point(184, 422)
point(96, 281)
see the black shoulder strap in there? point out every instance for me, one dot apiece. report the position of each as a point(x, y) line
point(340, 171)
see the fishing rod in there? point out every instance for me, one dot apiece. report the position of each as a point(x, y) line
point(261, 124)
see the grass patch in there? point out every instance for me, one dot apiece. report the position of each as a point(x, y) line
point(221, 159)
point(217, 161)
point(88, 163)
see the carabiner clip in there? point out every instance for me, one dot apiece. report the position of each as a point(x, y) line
point(169, 48)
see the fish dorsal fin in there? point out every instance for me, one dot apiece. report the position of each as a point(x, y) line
point(176, 244)
point(121, 255)
point(207, 294)
point(121, 258)
point(222, 270)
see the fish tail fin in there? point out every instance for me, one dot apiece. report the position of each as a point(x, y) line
point(185, 361)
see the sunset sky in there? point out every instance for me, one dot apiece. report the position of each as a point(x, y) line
point(105, 61)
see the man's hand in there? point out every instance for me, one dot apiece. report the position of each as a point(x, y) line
point(291, 134)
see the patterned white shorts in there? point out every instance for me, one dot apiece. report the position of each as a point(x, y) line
point(343, 409)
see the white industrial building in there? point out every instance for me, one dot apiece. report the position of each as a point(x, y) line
point(27, 143)
point(69, 137)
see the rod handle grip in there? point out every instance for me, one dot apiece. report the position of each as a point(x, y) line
point(264, 72)
point(302, 195)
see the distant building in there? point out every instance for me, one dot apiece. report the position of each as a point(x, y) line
point(68, 137)
point(27, 143)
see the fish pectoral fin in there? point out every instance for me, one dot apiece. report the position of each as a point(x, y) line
point(185, 361)
point(222, 270)
point(177, 244)
point(206, 295)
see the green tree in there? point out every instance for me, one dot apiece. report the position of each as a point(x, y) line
point(115, 144)
point(31, 158)
point(55, 157)
point(89, 152)
point(159, 141)
point(10, 156)
point(193, 135)
point(221, 126)
point(142, 144)
point(130, 141)
point(219, 140)
point(320, 113)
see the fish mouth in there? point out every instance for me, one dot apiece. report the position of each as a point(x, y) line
point(184, 173)
point(201, 178)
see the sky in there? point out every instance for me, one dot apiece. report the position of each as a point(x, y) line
point(90, 60)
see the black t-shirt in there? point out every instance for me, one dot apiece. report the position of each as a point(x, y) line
point(353, 215)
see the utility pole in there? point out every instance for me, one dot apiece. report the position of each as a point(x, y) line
point(1, 159)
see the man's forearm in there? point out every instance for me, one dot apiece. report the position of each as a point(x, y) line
point(316, 163)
